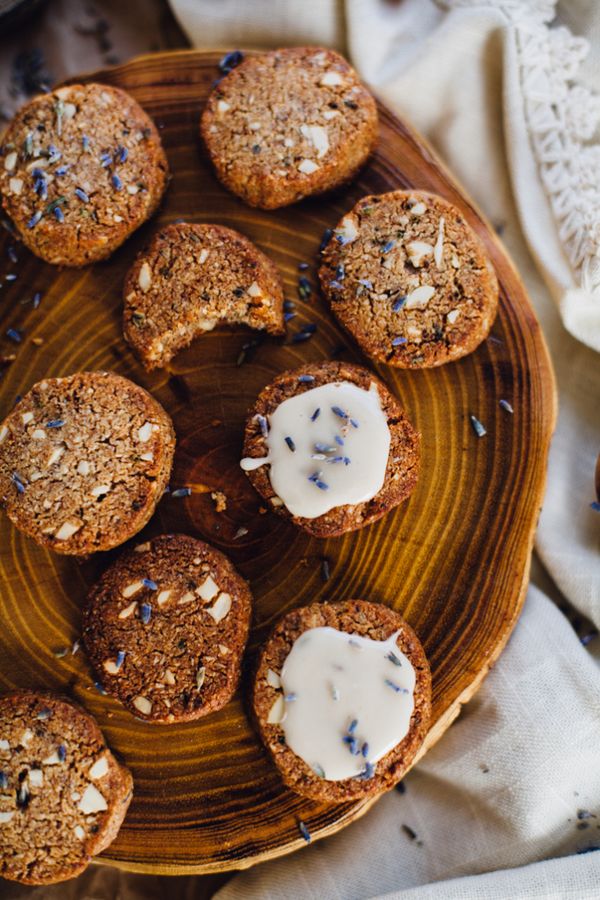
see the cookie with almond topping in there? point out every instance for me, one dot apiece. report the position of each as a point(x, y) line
point(165, 629)
point(80, 169)
point(287, 124)
point(192, 278)
point(410, 280)
point(63, 795)
point(84, 461)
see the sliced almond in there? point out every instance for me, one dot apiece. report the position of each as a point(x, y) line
point(307, 167)
point(92, 801)
point(208, 590)
point(66, 531)
point(145, 432)
point(220, 609)
point(100, 489)
point(55, 455)
point(145, 277)
point(438, 250)
point(417, 251)
point(278, 712)
point(453, 316)
point(162, 597)
point(418, 208)
point(318, 137)
point(99, 769)
point(347, 230)
point(128, 611)
point(10, 161)
point(36, 778)
point(273, 679)
point(143, 705)
point(15, 185)
point(132, 589)
point(331, 79)
point(420, 297)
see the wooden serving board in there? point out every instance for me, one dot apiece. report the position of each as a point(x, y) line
point(453, 559)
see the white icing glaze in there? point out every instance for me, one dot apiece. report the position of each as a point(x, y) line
point(310, 486)
point(331, 680)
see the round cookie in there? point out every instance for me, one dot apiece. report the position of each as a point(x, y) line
point(399, 468)
point(80, 169)
point(165, 629)
point(191, 278)
point(83, 461)
point(410, 280)
point(287, 124)
point(63, 795)
point(347, 714)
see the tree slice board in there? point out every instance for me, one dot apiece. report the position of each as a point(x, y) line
point(453, 560)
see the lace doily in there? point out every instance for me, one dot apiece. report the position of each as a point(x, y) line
point(562, 118)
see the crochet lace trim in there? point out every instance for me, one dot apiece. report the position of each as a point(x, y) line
point(562, 118)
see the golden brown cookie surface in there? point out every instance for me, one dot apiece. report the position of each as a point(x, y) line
point(287, 124)
point(80, 169)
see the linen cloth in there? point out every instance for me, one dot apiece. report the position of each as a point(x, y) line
point(504, 91)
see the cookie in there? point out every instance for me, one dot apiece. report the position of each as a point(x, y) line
point(83, 461)
point(410, 280)
point(63, 795)
point(328, 446)
point(288, 124)
point(80, 169)
point(165, 629)
point(342, 699)
point(191, 278)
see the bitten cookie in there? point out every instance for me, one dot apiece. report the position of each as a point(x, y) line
point(166, 627)
point(328, 446)
point(410, 280)
point(63, 795)
point(191, 278)
point(80, 169)
point(83, 461)
point(342, 699)
point(287, 124)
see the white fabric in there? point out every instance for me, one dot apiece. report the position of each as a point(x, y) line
point(495, 89)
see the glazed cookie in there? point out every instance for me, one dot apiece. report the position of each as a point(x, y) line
point(63, 795)
point(328, 446)
point(83, 461)
point(410, 280)
point(361, 670)
point(191, 278)
point(166, 627)
point(80, 169)
point(287, 124)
